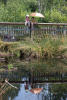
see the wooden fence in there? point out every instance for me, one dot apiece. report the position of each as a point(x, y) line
point(17, 30)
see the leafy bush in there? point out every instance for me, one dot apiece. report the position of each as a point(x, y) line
point(10, 66)
point(47, 16)
point(55, 16)
point(15, 10)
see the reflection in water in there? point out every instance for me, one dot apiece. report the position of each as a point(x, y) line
point(49, 92)
point(26, 95)
point(38, 72)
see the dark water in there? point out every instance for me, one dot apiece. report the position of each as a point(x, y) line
point(35, 75)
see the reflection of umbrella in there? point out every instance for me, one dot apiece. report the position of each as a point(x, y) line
point(36, 15)
point(36, 90)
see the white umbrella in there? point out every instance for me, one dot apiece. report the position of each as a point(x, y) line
point(36, 14)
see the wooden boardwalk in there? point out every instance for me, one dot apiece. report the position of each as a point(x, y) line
point(15, 30)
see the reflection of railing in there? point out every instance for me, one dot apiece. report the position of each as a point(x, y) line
point(33, 77)
point(12, 30)
point(48, 77)
point(4, 88)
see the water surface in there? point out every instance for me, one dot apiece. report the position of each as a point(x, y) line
point(34, 75)
point(49, 92)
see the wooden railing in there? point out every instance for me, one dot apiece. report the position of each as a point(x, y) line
point(18, 30)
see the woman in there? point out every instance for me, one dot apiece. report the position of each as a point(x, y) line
point(27, 23)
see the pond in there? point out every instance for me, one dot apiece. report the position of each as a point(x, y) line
point(49, 76)
point(49, 92)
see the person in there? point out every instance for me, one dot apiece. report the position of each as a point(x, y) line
point(27, 20)
point(33, 22)
point(27, 23)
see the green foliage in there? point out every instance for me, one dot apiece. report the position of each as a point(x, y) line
point(64, 10)
point(47, 16)
point(10, 66)
point(4, 1)
point(59, 89)
point(12, 12)
point(15, 10)
point(16, 54)
point(33, 6)
point(56, 16)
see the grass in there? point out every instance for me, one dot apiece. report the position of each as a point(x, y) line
point(49, 46)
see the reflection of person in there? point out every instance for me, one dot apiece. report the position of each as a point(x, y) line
point(26, 87)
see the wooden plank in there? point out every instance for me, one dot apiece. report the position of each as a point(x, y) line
point(22, 23)
point(39, 81)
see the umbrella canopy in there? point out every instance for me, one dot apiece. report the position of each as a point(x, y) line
point(35, 14)
point(36, 90)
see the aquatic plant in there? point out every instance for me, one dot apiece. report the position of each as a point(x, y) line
point(10, 66)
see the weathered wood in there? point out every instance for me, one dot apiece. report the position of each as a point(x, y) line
point(17, 30)
point(11, 23)
point(22, 23)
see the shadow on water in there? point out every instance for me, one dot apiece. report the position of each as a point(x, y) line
point(37, 80)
